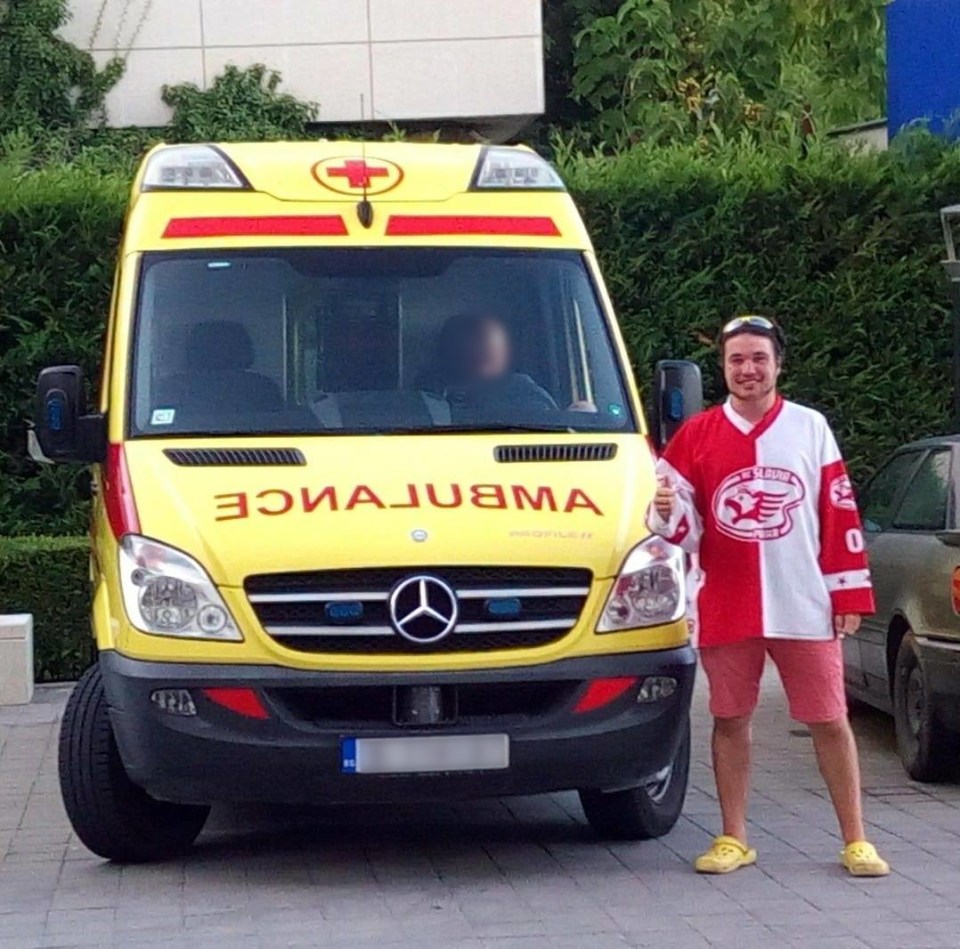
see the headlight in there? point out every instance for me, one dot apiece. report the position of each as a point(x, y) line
point(167, 593)
point(649, 590)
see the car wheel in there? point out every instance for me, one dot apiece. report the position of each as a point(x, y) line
point(113, 817)
point(925, 746)
point(644, 812)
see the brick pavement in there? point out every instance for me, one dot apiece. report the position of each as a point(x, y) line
point(510, 874)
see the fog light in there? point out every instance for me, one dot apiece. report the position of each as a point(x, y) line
point(174, 701)
point(655, 688)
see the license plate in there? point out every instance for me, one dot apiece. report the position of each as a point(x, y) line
point(425, 754)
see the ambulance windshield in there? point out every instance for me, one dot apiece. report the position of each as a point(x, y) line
point(316, 341)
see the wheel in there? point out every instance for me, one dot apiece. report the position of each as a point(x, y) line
point(113, 817)
point(644, 812)
point(925, 746)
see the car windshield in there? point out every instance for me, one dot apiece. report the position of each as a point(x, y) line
point(372, 340)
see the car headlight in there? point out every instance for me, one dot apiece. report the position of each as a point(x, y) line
point(167, 593)
point(649, 590)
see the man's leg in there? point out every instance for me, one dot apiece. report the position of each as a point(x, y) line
point(812, 674)
point(837, 757)
point(731, 768)
point(733, 674)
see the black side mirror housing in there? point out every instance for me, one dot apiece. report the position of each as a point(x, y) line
point(62, 428)
point(677, 395)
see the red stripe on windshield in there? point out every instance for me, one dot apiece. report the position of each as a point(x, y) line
point(325, 225)
point(405, 225)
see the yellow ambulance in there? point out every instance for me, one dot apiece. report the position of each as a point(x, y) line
point(370, 474)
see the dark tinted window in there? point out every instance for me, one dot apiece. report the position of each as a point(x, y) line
point(924, 506)
point(879, 496)
point(372, 339)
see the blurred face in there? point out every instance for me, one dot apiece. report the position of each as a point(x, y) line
point(488, 355)
point(750, 367)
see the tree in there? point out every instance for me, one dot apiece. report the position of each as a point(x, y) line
point(691, 69)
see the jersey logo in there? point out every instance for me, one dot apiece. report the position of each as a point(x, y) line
point(841, 494)
point(756, 503)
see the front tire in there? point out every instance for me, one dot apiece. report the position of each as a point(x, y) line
point(926, 747)
point(644, 812)
point(113, 817)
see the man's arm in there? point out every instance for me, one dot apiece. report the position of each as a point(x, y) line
point(673, 513)
point(843, 555)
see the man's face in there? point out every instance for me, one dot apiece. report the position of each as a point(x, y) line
point(490, 351)
point(750, 366)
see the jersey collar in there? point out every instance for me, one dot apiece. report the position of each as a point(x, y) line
point(750, 429)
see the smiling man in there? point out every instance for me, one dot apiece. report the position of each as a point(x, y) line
point(757, 488)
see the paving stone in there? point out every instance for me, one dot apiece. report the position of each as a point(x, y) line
point(513, 874)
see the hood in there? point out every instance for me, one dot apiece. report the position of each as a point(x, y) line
point(419, 501)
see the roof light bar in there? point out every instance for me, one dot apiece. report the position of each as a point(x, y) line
point(189, 167)
point(513, 169)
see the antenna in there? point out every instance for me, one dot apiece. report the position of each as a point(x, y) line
point(364, 208)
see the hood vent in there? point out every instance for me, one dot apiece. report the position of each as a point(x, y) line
point(591, 451)
point(234, 457)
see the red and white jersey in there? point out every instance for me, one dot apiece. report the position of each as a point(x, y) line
point(771, 513)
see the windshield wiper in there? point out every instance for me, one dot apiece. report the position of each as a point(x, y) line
point(477, 429)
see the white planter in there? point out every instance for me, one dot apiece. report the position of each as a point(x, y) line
point(16, 659)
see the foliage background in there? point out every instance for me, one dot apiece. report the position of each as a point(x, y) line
point(49, 577)
point(844, 249)
point(689, 131)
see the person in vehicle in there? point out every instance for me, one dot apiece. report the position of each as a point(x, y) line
point(475, 370)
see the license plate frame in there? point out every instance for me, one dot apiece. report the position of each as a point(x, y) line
point(425, 754)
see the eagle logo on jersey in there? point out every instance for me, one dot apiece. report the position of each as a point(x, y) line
point(841, 494)
point(756, 503)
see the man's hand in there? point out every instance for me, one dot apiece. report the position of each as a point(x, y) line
point(665, 500)
point(846, 624)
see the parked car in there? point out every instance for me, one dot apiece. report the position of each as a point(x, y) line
point(906, 660)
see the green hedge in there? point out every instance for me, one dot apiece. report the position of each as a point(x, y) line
point(58, 235)
point(49, 577)
point(844, 248)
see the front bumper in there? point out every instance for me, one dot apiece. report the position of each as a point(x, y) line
point(294, 756)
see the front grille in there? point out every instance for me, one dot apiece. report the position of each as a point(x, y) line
point(235, 457)
point(476, 703)
point(591, 451)
point(348, 611)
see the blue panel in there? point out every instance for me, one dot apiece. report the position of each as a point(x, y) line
point(508, 606)
point(923, 64)
point(344, 612)
point(348, 755)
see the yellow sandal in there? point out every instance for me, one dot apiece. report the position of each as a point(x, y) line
point(862, 860)
point(726, 854)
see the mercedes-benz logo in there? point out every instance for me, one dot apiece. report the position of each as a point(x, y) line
point(423, 609)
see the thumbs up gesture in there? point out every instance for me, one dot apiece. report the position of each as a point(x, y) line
point(665, 500)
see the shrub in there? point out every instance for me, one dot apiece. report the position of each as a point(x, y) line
point(58, 234)
point(844, 249)
point(45, 82)
point(240, 105)
point(49, 577)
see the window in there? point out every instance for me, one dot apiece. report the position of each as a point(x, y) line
point(348, 340)
point(924, 505)
point(883, 489)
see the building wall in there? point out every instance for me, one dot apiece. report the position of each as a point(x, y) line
point(359, 59)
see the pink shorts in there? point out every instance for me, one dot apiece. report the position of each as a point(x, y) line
point(811, 672)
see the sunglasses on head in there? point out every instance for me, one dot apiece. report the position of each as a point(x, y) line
point(745, 322)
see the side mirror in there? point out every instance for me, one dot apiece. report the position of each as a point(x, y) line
point(677, 395)
point(62, 430)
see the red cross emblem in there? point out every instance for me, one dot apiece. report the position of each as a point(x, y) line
point(350, 175)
